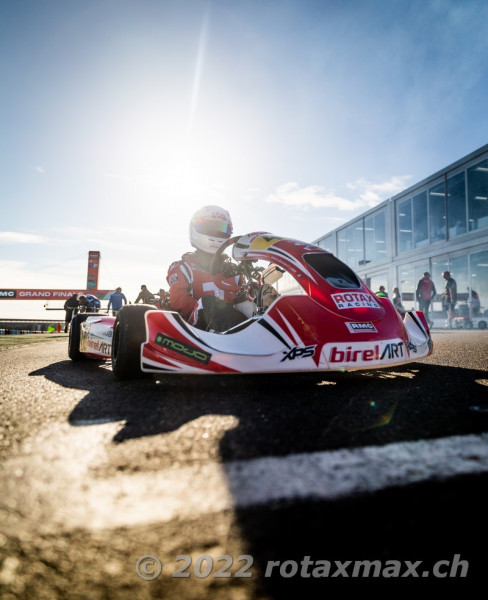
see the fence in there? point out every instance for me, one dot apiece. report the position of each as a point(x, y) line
point(19, 326)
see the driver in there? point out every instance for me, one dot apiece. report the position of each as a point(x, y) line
point(205, 300)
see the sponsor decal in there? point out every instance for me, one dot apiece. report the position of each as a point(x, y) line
point(255, 234)
point(354, 300)
point(33, 294)
point(359, 354)
point(412, 347)
point(98, 346)
point(361, 327)
point(182, 348)
point(173, 278)
point(263, 242)
point(297, 352)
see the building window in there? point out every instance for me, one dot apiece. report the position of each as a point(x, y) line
point(355, 244)
point(408, 278)
point(350, 244)
point(458, 266)
point(437, 213)
point(478, 195)
point(380, 279)
point(456, 204)
point(327, 243)
point(479, 280)
point(342, 244)
point(405, 229)
point(439, 264)
point(369, 237)
point(406, 283)
point(380, 236)
point(420, 226)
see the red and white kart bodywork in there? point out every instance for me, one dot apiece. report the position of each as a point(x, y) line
point(335, 324)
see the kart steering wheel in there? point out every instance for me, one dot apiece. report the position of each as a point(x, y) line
point(216, 263)
point(244, 267)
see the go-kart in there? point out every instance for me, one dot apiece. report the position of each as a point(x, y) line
point(334, 322)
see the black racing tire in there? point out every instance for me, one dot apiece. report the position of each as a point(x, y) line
point(74, 336)
point(468, 325)
point(482, 325)
point(129, 334)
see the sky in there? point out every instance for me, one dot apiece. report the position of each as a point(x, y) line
point(120, 118)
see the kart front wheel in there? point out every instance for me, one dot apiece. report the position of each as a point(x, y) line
point(74, 336)
point(129, 334)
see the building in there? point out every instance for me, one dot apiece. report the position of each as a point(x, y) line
point(439, 224)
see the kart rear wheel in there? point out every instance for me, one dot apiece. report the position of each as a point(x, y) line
point(129, 334)
point(482, 324)
point(74, 336)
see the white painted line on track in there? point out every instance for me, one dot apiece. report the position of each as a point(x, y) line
point(53, 485)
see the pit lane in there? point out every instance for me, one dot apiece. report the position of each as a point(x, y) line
point(97, 473)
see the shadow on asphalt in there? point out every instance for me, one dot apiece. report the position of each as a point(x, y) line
point(284, 414)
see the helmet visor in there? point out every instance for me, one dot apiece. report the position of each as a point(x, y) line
point(219, 229)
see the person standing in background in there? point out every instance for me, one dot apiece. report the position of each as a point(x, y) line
point(425, 293)
point(115, 301)
point(89, 303)
point(145, 295)
point(396, 298)
point(449, 297)
point(71, 308)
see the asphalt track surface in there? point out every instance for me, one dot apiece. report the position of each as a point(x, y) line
point(243, 487)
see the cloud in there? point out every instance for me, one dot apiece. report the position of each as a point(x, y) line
point(250, 194)
point(366, 194)
point(370, 194)
point(37, 169)
point(128, 239)
point(116, 176)
point(22, 274)
point(313, 196)
point(15, 237)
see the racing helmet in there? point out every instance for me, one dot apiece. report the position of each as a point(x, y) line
point(210, 226)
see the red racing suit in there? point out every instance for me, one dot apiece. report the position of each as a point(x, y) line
point(189, 280)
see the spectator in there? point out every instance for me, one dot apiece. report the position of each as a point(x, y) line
point(449, 297)
point(381, 293)
point(396, 298)
point(71, 308)
point(145, 295)
point(115, 301)
point(425, 293)
point(89, 303)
